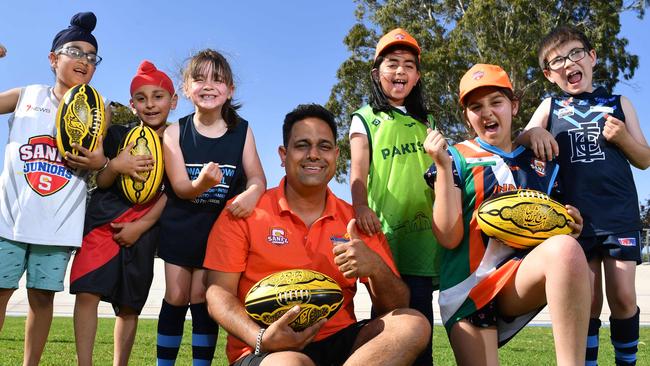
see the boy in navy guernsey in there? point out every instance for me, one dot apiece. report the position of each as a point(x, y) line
point(596, 136)
point(115, 263)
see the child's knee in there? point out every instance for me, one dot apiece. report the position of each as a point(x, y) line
point(564, 250)
point(40, 298)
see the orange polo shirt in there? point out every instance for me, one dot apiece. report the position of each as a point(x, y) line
point(274, 239)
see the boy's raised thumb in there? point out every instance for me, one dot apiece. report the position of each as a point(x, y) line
point(352, 229)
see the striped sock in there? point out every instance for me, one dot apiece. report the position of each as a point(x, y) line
point(204, 335)
point(170, 333)
point(625, 338)
point(591, 358)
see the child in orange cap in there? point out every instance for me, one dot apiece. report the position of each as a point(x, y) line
point(387, 161)
point(489, 291)
point(115, 262)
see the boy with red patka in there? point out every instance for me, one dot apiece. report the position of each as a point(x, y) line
point(115, 262)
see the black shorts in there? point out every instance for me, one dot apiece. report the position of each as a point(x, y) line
point(484, 317)
point(331, 351)
point(123, 280)
point(622, 246)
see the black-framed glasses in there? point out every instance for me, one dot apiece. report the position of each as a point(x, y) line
point(77, 54)
point(574, 55)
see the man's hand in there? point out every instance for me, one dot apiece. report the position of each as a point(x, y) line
point(281, 337)
point(355, 258)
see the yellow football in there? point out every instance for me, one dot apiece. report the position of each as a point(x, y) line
point(523, 218)
point(80, 119)
point(318, 296)
point(146, 142)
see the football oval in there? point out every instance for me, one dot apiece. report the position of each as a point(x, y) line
point(523, 218)
point(146, 142)
point(317, 294)
point(80, 119)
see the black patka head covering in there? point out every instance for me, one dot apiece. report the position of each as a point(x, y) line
point(81, 26)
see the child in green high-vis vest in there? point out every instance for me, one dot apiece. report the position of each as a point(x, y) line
point(388, 160)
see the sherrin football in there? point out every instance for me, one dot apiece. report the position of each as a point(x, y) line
point(80, 119)
point(146, 142)
point(318, 296)
point(523, 218)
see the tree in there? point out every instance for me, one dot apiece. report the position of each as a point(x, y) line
point(456, 34)
point(121, 114)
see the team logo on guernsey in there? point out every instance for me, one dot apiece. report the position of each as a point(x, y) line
point(584, 143)
point(538, 167)
point(627, 242)
point(277, 236)
point(44, 169)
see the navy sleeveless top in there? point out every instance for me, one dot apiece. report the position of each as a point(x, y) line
point(185, 224)
point(596, 175)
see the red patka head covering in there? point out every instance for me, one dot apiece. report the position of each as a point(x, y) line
point(148, 74)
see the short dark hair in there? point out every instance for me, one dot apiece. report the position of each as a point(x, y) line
point(557, 37)
point(303, 111)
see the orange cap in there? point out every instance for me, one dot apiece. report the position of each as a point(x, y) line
point(481, 75)
point(397, 36)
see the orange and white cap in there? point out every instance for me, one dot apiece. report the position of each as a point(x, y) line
point(481, 75)
point(397, 36)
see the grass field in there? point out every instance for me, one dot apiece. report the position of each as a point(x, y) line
point(533, 346)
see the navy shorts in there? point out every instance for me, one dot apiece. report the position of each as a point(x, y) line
point(331, 351)
point(621, 246)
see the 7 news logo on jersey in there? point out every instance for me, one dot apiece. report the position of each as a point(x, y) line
point(44, 168)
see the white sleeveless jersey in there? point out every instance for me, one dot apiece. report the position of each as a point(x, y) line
point(42, 201)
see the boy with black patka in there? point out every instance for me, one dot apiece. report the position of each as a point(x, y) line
point(43, 198)
point(115, 262)
point(596, 137)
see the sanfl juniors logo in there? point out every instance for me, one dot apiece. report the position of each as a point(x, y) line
point(277, 236)
point(43, 167)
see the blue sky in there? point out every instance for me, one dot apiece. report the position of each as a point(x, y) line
point(283, 53)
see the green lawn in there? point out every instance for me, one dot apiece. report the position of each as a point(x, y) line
point(533, 346)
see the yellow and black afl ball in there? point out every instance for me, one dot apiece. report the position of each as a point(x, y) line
point(146, 142)
point(523, 218)
point(80, 119)
point(318, 296)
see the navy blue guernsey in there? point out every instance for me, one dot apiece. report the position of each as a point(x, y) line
point(185, 224)
point(596, 175)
